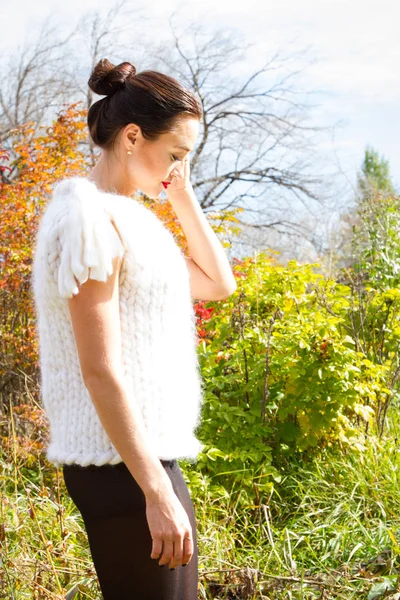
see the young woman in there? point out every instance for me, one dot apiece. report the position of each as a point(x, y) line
point(113, 292)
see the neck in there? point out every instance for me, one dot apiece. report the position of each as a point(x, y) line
point(109, 178)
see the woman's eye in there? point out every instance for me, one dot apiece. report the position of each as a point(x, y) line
point(175, 158)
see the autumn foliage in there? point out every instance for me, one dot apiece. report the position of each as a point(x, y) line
point(26, 183)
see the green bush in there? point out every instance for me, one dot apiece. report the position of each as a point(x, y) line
point(286, 370)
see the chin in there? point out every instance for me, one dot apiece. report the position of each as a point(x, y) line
point(150, 192)
point(153, 195)
point(157, 192)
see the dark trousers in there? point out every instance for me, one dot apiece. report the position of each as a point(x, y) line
point(113, 508)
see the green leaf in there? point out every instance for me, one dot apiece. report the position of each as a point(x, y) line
point(380, 589)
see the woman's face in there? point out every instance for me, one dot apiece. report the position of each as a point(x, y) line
point(152, 162)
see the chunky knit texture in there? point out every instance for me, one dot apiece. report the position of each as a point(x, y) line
point(81, 229)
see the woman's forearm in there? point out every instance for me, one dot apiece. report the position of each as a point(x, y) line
point(124, 425)
point(204, 246)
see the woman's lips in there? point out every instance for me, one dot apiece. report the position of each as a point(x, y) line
point(166, 183)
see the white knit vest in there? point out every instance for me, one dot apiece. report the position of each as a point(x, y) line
point(76, 239)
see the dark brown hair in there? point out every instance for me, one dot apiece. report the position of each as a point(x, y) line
point(150, 99)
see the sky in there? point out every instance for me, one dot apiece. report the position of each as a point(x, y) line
point(351, 57)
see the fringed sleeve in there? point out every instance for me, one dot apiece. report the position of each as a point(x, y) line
point(89, 241)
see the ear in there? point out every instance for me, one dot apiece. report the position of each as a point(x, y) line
point(131, 132)
point(131, 138)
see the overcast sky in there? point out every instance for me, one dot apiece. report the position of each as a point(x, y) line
point(353, 51)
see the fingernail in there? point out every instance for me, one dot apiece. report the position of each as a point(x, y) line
point(184, 565)
point(172, 569)
point(161, 565)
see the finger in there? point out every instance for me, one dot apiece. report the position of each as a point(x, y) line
point(167, 553)
point(188, 549)
point(186, 169)
point(156, 548)
point(178, 553)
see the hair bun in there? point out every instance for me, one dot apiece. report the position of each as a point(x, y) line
point(107, 78)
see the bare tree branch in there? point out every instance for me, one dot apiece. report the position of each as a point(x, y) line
point(256, 133)
point(36, 81)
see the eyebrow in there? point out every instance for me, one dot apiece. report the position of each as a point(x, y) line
point(183, 148)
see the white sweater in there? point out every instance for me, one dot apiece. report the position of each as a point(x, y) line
point(157, 320)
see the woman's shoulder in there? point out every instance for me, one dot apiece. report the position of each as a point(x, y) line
point(80, 196)
point(77, 193)
point(84, 228)
point(72, 186)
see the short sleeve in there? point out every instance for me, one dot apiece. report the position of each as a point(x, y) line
point(89, 241)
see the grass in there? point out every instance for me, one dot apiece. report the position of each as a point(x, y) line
point(330, 529)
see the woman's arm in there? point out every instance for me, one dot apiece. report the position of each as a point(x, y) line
point(96, 324)
point(210, 272)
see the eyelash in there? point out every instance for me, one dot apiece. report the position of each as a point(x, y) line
point(175, 158)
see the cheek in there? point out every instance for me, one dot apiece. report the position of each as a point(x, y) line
point(156, 167)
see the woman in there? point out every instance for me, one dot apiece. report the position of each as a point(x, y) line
point(113, 292)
